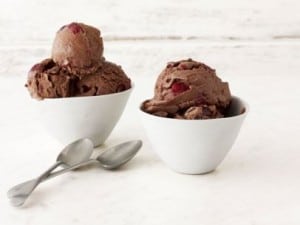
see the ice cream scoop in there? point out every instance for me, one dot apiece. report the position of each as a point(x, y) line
point(188, 89)
point(47, 80)
point(109, 78)
point(78, 47)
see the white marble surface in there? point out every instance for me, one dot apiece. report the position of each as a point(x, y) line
point(258, 182)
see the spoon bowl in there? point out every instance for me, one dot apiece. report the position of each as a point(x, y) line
point(118, 155)
point(76, 152)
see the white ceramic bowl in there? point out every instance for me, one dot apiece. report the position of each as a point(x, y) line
point(94, 117)
point(194, 146)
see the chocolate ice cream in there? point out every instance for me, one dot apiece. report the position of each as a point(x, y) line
point(77, 67)
point(49, 80)
point(188, 89)
point(109, 78)
point(78, 47)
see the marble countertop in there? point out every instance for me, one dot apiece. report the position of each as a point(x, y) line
point(257, 183)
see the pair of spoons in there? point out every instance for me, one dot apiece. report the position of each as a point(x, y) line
point(75, 155)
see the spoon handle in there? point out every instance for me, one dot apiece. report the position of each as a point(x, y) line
point(16, 192)
point(67, 169)
point(23, 190)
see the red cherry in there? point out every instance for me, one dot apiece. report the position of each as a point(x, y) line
point(75, 28)
point(179, 87)
point(183, 66)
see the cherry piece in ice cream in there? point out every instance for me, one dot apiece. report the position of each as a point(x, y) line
point(75, 28)
point(179, 87)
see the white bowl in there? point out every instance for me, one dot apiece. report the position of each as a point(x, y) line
point(93, 117)
point(194, 146)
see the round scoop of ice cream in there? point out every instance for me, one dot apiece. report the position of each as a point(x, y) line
point(188, 89)
point(108, 79)
point(78, 47)
point(47, 80)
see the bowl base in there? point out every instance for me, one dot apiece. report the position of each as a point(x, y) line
point(193, 172)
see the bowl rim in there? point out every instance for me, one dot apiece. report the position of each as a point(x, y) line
point(243, 114)
point(94, 96)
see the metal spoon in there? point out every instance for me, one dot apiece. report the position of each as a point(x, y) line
point(111, 158)
point(74, 153)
